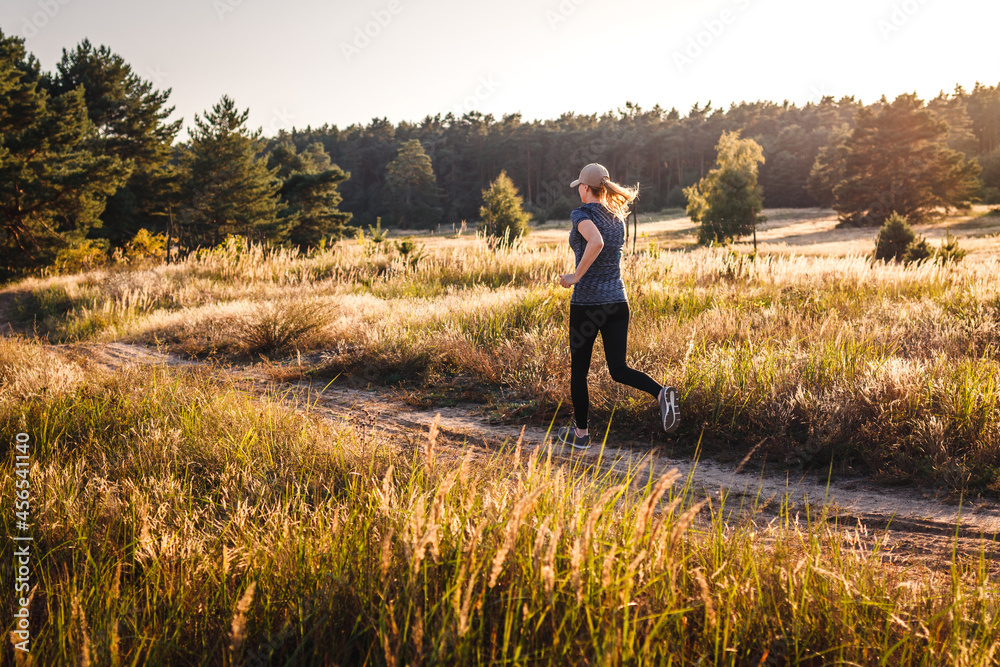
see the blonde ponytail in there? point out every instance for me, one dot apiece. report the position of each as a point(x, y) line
point(616, 198)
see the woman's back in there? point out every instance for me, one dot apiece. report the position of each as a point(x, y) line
point(602, 282)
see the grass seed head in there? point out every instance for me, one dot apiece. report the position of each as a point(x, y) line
point(237, 630)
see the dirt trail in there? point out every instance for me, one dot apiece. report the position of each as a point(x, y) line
point(912, 526)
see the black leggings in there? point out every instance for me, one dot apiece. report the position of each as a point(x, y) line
point(611, 320)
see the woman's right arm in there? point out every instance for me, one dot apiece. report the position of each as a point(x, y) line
point(595, 242)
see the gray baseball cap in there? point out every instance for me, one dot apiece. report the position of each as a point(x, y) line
point(593, 175)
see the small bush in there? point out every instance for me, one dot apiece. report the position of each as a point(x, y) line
point(378, 235)
point(145, 246)
point(949, 252)
point(919, 250)
point(230, 249)
point(410, 250)
point(273, 327)
point(376, 241)
point(893, 239)
point(84, 255)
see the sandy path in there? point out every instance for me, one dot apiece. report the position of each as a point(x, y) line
point(915, 526)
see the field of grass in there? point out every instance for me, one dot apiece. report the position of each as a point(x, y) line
point(889, 370)
point(179, 520)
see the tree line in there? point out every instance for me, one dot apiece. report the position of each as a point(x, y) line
point(89, 158)
point(89, 163)
point(664, 151)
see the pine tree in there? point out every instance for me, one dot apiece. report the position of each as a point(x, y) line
point(727, 202)
point(129, 117)
point(52, 187)
point(898, 161)
point(309, 196)
point(229, 189)
point(790, 155)
point(412, 192)
point(893, 238)
point(828, 169)
point(504, 218)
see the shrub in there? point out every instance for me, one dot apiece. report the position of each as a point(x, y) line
point(893, 239)
point(273, 327)
point(84, 255)
point(376, 241)
point(378, 235)
point(504, 218)
point(897, 242)
point(230, 249)
point(949, 252)
point(918, 251)
point(145, 246)
point(411, 251)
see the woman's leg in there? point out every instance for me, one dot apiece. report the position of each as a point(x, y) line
point(582, 333)
point(614, 333)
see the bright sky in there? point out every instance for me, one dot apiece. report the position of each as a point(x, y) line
point(309, 62)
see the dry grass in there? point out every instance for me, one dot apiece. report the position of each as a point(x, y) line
point(179, 521)
point(812, 348)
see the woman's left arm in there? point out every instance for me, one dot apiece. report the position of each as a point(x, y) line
point(595, 242)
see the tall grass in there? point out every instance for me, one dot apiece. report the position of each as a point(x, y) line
point(886, 367)
point(179, 521)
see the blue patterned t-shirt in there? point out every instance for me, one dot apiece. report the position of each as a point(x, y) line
point(602, 283)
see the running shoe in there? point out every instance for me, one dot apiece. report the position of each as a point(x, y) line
point(567, 436)
point(670, 408)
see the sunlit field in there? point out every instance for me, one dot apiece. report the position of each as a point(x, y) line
point(179, 519)
point(817, 358)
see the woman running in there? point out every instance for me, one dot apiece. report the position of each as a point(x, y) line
point(598, 303)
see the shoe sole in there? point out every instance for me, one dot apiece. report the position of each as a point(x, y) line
point(670, 409)
point(563, 440)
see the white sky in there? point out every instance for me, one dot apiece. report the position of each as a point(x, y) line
point(286, 61)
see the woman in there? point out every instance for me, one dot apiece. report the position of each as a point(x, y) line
point(598, 303)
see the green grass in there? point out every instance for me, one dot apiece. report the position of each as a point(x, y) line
point(178, 520)
point(885, 369)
